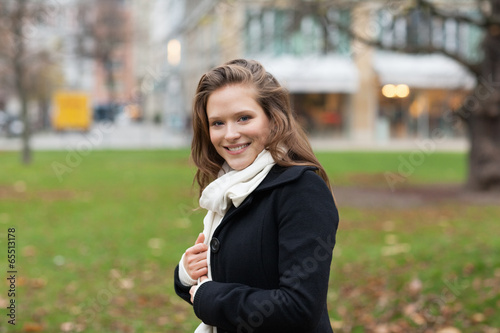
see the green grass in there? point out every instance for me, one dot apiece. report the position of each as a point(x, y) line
point(97, 246)
point(416, 166)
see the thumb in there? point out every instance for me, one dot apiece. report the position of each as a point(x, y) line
point(200, 239)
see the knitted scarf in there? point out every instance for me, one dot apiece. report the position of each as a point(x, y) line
point(232, 186)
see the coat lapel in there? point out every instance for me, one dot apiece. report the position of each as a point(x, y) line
point(277, 176)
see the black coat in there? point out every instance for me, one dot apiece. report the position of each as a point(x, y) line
point(271, 258)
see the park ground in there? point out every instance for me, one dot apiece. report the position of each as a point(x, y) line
point(99, 234)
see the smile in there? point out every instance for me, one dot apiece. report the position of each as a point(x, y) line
point(238, 147)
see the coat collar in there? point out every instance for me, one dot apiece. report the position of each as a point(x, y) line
point(276, 177)
point(280, 175)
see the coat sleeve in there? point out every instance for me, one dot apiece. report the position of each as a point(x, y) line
point(180, 289)
point(307, 225)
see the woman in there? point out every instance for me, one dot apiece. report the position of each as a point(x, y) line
point(262, 263)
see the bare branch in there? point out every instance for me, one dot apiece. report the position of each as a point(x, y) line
point(473, 68)
point(483, 22)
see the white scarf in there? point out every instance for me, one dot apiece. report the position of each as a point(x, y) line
point(232, 186)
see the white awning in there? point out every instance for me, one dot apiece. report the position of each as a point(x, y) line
point(329, 74)
point(421, 71)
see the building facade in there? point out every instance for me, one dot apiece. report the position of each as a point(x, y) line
point(340, 88)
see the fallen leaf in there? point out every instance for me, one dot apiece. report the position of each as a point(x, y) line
point(32, 327)
point(418, 319)
point(477, 283)
point(381, 329)
point(59, 260)
point(478, 317)
point(395, 249)
point(468, 268)
point(75, 310)
point(126, 283)
point(336, 324)
point(155, 243)
point(21, 281)
point(162, 321)
point(388, 226)
point(180, 317)
point(449, 330)
point(415, 286)
point(410, 309)
point(38, 283)
point(71, 287)
point(79, 327)
point(491, 330)
point(28, 251)
point(115, 274)
point(67, 327)
point(391, 239)
point(20, 186)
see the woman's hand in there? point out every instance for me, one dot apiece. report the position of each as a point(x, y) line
point(193, 288)
point(195, 259)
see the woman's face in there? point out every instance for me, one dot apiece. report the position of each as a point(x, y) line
point(239, 128)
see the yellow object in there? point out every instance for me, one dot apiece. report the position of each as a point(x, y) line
point(71, 111)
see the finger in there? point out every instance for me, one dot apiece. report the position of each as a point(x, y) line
point(194, 266)
point(197, 249)
point(200, 239)
point(198, 265)
point(199, 273)
point(200, 256)
point(191, 291)
point(194, 258)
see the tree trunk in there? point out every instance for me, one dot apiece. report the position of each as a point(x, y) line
point(26, 147)
point(110, 78)
point(19, 72)
point(481, 112)
point(484, 154)
point(43, 109)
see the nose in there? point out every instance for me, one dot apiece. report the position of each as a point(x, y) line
point(232, 132)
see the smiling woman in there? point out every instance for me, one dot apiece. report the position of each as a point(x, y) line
point(262, 263)
point(239, 128)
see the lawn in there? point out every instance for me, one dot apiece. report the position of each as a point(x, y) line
point(98, 237)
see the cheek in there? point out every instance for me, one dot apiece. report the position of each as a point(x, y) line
point(213, 137)
point(265, 132)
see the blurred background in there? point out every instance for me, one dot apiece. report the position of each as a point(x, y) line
point(401, 102)
point(138, 62)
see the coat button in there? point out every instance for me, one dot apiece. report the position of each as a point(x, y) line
point(214, 245)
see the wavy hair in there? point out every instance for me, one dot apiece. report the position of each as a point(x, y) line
point(274, 100)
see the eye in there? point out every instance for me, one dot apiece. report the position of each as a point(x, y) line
point(244, 118)
point(217, 123)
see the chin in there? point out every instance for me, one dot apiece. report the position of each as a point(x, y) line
point(239, 165)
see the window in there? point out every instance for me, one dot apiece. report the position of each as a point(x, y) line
point(287, 31)
point(419, 30)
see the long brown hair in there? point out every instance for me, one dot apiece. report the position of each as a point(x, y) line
point(274, 100)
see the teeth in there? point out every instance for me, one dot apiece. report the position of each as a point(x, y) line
point(238, 148)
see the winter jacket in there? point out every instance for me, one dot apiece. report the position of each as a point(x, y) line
point(271, 258)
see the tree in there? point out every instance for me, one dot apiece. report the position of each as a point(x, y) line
point(12, 16)
point(20, 61)
point(480, 111)
point(103, 31)
point(44, 80)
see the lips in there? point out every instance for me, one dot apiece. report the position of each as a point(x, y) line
point(237, 148)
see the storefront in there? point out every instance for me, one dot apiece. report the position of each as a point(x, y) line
point(320, 89)
point(420, 113)
point(418, 94)
point(321, 114)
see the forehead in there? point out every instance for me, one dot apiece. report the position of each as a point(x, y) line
point(235, 89)
point(232, 97)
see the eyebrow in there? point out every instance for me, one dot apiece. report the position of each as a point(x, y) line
point(236, 114)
